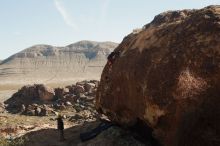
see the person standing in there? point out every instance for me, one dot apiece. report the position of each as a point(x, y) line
point(60, 127)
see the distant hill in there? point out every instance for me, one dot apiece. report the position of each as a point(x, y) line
point(50, 64)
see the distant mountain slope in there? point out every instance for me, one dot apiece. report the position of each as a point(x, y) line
point(50, 64)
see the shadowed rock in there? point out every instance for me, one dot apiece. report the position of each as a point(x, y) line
point(40, 100)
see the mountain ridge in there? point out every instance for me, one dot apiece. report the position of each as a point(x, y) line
point(50, 50)
point(46, 63)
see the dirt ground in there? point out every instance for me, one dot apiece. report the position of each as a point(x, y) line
point(114, 136)
point(41, 131)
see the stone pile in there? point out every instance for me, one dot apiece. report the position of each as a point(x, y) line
point(39, 100)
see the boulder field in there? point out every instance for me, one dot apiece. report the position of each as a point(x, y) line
point(40, 100)
point(167, 75)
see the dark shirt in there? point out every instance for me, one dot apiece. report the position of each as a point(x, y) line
point(60, 125)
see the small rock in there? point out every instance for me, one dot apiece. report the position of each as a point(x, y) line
point(34, 105)
point(71, 89)
point(76, 117)
point(43, 112)
point(53, 119)
point(62, 107)
point(79, 89)
point(87, 113)
point(23, 108)
point(30, 113)
point(55, 113)
point(82, 106)
point(59, 93)
point(68, 103)
point(82, 83)
point(94, 82)
point(64, 116)
point(37, 111)
point(81, 95)
point(66, 90)
point(89, 87)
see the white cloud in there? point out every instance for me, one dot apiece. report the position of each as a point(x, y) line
point(66, 16)
point(104, 7)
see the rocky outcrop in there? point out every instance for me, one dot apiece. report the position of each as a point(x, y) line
point(22, 100)
point(168, 76)
point(47, 64)
point(40, 100)
point(31, 94)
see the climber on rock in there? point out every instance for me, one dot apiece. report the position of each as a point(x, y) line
point(60, 127)
point(113, 56)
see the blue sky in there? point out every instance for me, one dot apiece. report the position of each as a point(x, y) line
point(61, 22)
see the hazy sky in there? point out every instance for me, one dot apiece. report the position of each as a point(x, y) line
point(24, 23)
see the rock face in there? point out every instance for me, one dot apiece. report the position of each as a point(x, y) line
point(48, 64)
point(168, 75)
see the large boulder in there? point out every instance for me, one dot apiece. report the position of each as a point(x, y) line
point(168, 75)
point(27, 95)
point(59, 93)
point(45, 93)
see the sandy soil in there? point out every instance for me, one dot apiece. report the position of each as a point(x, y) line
point(5, 94)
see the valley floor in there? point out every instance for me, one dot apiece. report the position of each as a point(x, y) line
point(5, 94)
point(41, 130)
